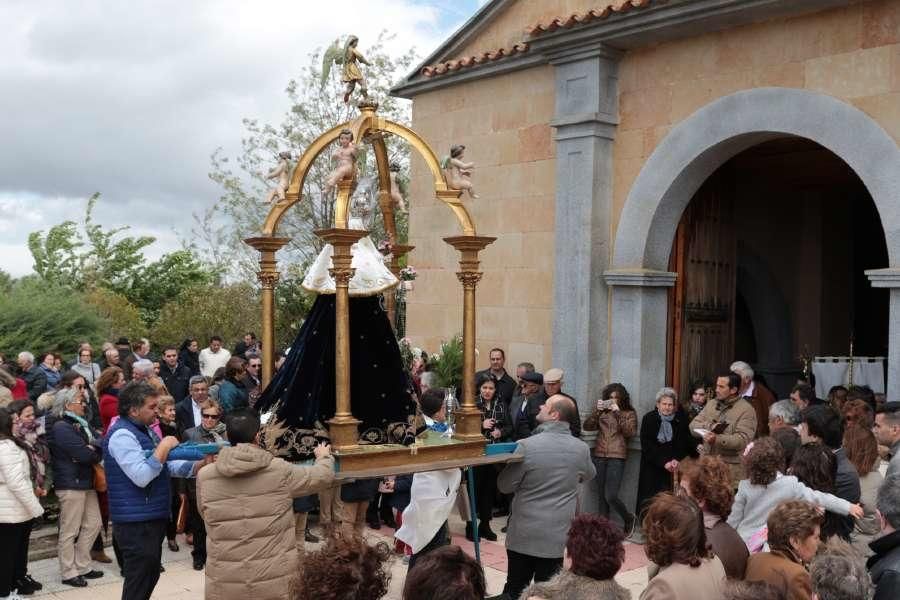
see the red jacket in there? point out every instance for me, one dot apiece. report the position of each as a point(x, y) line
point(20, 390)
point(109, 408)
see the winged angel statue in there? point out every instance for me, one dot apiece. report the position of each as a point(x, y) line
point(349, 58)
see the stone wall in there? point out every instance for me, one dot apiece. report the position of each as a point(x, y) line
point(851, 53)
point(504, 124)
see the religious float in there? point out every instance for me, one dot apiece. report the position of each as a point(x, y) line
point(367, 411)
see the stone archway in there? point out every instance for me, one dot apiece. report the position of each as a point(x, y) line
point(684, 159)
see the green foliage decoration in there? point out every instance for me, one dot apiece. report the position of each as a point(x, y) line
point(447, 363)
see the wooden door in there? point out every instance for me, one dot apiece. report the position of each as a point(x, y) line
point(701, 305)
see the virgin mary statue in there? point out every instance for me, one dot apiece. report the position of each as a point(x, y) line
point(301, 396)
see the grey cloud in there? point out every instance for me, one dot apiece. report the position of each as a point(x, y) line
point(130, 98)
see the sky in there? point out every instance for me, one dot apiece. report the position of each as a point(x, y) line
point(129, 99)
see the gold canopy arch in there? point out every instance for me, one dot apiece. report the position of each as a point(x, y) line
point(371, 128)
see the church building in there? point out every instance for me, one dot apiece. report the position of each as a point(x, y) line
point(673, 185)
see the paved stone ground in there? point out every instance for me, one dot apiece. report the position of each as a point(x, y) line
point(181, 582)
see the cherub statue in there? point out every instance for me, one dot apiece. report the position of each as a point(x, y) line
point(345, 155)
point(280, 171)
point(458, 173)
point(349, 58)
point(396, 191)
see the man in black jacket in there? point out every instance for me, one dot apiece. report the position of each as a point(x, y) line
point(188, 412)
point(35, 380)
point(176, 376)
point(523, 410)
point(884, 566)
point(820, 423)
point(505, 385)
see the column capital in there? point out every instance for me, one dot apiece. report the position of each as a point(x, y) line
point(639, 278)
point(268, 279)
point(884, 278)
point(341, 237)
point(470, 243)
point(267, 243)
point(469, 279)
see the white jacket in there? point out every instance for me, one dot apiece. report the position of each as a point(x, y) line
point(431, 498)
point(753, 503)
point(17, 500)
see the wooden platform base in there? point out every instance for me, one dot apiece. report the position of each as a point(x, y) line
point(390, 456)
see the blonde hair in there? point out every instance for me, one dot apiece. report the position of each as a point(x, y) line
point(211, 403)
point(157, 384)
point(164, 402)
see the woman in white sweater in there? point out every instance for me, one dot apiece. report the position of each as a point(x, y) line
point(19, 507)
point(767, 487)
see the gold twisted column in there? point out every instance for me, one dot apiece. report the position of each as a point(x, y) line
point(343, 428)
point(268, 278)
point(468, 417)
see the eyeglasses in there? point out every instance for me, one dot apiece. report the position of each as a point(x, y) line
point(252, 366)
point(206, 416)
point(76, 403)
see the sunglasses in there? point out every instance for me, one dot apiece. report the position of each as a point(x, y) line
point(206, 416)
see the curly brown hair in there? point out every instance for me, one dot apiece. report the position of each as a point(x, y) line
point(595, 547)
point(792, 519)
point(345, 568)
point(107, 379)
point(459, 577)
point(861, 448)
point(709, 482)
point(764, 460)
point(674, 532)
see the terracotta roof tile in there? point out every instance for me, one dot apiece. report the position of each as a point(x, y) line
point(565, 22)
point(596, 14)
point(470, 61)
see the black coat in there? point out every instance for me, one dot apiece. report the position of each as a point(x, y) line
point(72, 458)
point(191, 360)
point(846, 486)
point(177, 380)
point(506, 385)
point(654, 477)
point(519, 424)
point(35, 382)
point(884, 566)
point(184, 416)
point(402, 486)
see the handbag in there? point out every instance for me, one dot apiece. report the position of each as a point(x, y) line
point(99, 478)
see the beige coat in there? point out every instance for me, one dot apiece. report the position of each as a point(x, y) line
point(614, 427)
point(245, 498)
point(683, 582)
point(782, 572)
point(740, 418)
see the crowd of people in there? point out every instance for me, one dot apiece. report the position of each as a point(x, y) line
point(738, 495)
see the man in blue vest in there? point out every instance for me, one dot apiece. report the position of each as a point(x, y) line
point(137, 476)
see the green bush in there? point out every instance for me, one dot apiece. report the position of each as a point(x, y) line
point(121, 317)
point(40, 317)
point(228, 311)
